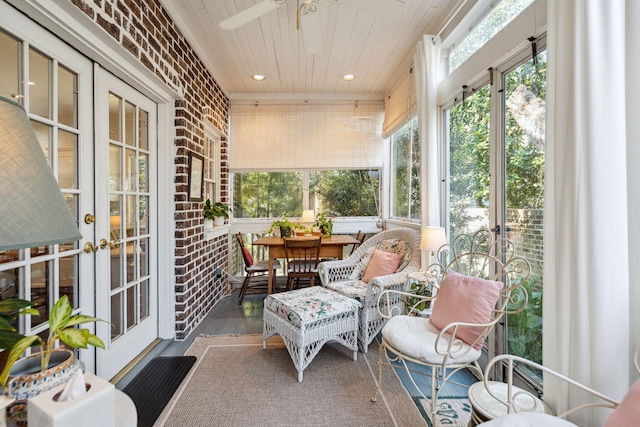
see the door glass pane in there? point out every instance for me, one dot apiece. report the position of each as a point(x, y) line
point(114, 117)
point(129, 123)
point(144, 299)
point(10, 68)
point(143, 134)
point(131, 216)
point(131, 262)
point(69, 279)
point(131, 306)
point(144, 257)
point(67, 159)
point(39, 84)
point(40, 290)
point(130, 170)
point(469, 164)
point(67, 97)
point(144, 218)
point(116, 266)
point(525, 112)
point(114, 167)
point(117, 320)
point(43, 133)
point(143, 182)
point(115, 217)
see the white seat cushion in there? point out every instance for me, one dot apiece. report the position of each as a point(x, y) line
point(528, 419)
point(416, 337)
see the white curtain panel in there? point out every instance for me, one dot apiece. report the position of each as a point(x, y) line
point(427, 64)
point(633, 166)
point(586, 278)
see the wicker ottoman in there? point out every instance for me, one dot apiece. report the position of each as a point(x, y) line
point(309, 317)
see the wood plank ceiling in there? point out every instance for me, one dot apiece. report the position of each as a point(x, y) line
point(372, 39)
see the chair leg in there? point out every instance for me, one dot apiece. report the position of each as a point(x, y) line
point(243, 290)
point(381, 350)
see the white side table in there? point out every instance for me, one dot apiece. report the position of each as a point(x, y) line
point(486, 407)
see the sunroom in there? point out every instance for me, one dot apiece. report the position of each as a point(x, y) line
point(515, 116)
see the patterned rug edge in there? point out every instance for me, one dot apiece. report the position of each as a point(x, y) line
point(463, 404)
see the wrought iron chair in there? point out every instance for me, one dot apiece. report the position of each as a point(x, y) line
point(345, 276)
point(485, 273)
point(302, 259)
point(256, 278)
point(623, 413)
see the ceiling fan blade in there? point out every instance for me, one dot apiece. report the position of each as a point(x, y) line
point(248, 15)
point(311, 27)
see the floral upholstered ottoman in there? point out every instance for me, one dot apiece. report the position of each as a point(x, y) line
point(309, 317)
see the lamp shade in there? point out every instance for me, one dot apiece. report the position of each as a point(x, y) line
point(432, 238)
point(33, 211)
point(308, 216)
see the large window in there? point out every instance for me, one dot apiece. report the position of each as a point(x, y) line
point(496, 19)
point(405, 172)
point(496, 180)
point(275, 194)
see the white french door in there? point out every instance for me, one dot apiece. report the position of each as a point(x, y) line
point(126, 279)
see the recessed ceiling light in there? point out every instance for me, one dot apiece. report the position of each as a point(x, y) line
point(258, 77)
point(348, 77)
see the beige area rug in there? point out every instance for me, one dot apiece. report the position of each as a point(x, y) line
point(236, 383)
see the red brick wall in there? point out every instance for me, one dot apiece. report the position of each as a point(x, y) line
point(146, 31)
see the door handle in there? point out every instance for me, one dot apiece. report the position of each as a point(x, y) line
point(112, 243)
point(89, 247)
point(497, 230)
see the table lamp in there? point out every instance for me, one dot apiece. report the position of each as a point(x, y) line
point(33, 211)
point(308, 218)
point(432, 239)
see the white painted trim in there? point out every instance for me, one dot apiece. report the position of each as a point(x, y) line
point(216, 232)
point(167, 152)
point(292, 98)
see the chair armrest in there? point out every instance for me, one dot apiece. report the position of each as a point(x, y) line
point(335, 271)
point(387, 309)
point(508, 360)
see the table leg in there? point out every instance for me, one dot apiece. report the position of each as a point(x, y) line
point(272, 277)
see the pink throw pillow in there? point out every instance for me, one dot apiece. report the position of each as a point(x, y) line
point(628, 413)
point(381, 264)
point(247, 256)
point(465, 299)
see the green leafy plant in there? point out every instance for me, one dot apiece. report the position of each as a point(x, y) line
point(421, 289)
point(216, 209)
point(61, 326)
point(285, 226)
point(324, 224)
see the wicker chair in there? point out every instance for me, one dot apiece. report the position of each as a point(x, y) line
point(345, 276)
point(481, 266)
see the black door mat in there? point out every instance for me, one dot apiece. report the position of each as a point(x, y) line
point(154, 386)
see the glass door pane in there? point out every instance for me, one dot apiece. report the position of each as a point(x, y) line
point(468, 133)
point(525, 110)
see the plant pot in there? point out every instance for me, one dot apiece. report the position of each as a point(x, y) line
point(285, 231)
point(218, 221)
point(208, 224)
point(27, 380)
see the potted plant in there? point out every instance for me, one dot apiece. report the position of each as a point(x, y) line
point(419, 306)
point(284, 225)
point(324, 224)
point(216, 212)
point(41, 371)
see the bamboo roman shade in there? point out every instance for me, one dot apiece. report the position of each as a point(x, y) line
point(305, 136)
point(399, 105)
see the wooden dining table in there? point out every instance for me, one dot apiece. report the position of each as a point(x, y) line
point(330, 247)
